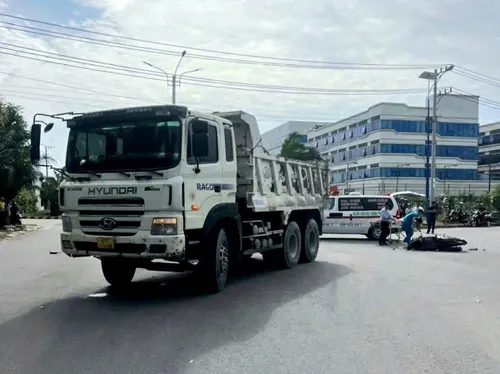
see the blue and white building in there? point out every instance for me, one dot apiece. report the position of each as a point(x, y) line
point(383, 148)
point(489, 150)
point(273, 139)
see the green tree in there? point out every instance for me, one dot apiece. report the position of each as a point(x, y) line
point(496, 199)
point(48, 192)
point(26, 201)
point(291, 148)
point(16, 170)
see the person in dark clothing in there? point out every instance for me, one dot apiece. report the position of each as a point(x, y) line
point(15, 218)
point(385, 219)
point(431, 217)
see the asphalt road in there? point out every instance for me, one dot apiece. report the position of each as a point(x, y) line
point(359, 309)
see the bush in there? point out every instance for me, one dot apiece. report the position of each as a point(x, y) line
point(27, 201)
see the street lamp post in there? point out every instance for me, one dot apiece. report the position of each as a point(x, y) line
point(159, 69)
point(348, 174)
point(174, 78)
point(187, 72)
point(445, 175)
point(434, 76)
point(397, 175)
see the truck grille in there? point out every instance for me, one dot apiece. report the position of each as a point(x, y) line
point(125, 212)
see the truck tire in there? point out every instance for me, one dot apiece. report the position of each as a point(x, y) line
point(215, 266)
point(117, 272)
point(310, 242)
point(287, 257)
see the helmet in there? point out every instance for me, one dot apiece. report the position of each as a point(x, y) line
point(420, 209)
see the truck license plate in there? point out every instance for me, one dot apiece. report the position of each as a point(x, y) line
point(105, 243)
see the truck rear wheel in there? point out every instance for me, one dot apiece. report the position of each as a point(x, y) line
point(118, 272)
point(310, 242)
point(289, 256)
point(215, 265)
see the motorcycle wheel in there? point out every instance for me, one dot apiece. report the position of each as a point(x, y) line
point(446, 221)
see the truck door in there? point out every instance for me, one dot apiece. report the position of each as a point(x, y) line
point(229, 168)
point(203, 178)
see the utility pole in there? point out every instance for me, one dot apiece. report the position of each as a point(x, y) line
point(47, 158)
point(434, 134)
point(435, 77)
point(489, 177)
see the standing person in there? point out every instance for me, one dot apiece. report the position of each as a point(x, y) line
point(407, 224)
point(15, 215)
point(385, 218)
point(431, 217)
point(3, 212)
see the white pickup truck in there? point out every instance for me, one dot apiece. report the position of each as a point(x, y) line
point(193, 190)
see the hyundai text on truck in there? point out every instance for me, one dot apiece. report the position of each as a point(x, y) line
point(167, 188)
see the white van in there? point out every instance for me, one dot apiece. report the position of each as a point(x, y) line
point(352, 214)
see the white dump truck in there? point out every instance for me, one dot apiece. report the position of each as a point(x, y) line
point(167, 188)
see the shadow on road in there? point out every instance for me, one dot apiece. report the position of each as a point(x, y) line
point(158, 326)
point(353, 239)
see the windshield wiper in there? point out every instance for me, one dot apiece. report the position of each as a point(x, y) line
point(81, 170)
point(155, 172)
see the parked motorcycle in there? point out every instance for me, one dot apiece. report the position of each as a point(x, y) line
point(457, 217)
point(481, 219)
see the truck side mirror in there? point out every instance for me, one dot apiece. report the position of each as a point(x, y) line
point(36, 131)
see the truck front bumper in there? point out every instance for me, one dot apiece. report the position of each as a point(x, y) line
point(142, 245)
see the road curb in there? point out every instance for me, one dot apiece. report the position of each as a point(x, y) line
point(42, 217)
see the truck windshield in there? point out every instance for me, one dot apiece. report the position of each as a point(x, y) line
point(126, 146)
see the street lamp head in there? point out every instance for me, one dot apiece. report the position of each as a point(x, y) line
point(48, 127)
point(428, 75)
point(183, 53)
point(147, 63)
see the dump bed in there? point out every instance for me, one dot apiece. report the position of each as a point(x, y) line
point(274, 183)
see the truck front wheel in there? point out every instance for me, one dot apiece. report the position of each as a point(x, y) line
point(117, 272)
point(289, 256)
point(215, 265)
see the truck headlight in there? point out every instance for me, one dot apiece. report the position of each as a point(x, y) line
point(164, 226)
point(66, 224)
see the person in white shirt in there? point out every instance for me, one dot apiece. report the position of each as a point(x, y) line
point(385, 219)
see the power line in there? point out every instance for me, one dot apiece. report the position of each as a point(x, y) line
point(483, 102)
point(71, 87)
point(108, 102)
point(38, 98)
point(259, 113)
point(276, 113)
point(469, 71)
point(283, 62)
point(147, 72)
point(477, 77)
point(219, 84)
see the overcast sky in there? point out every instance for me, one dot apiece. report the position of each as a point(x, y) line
point(424, 32)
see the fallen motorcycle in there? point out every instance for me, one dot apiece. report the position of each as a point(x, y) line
point(437, 243)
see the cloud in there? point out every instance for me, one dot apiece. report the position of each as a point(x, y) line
point(387, 32)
